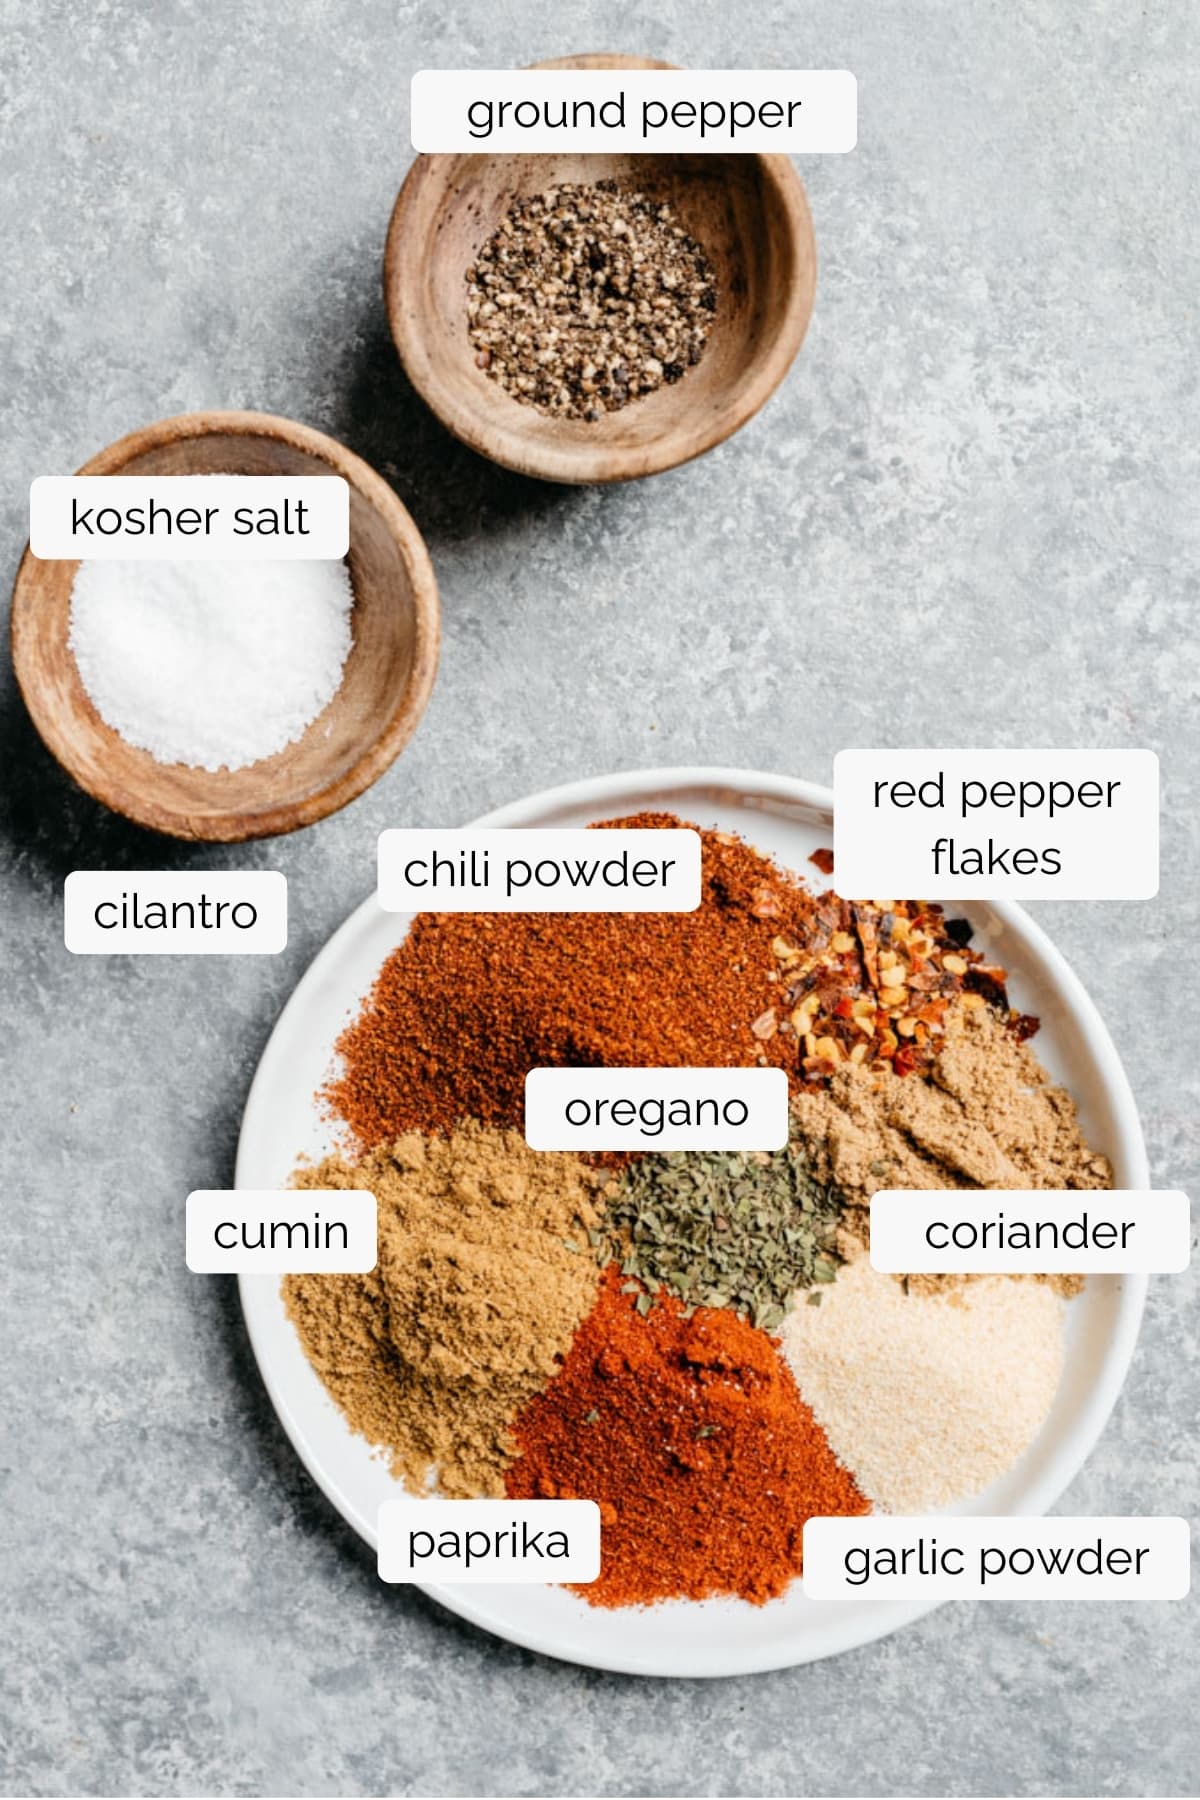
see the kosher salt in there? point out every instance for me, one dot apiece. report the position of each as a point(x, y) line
point(212, 664)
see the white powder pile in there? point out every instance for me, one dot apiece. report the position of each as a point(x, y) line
point(213, 664)
point(926, 1398)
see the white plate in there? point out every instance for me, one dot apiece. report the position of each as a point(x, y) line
point(788, 819)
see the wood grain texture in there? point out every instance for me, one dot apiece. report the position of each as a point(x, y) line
point(749, 213)
point(385, 685)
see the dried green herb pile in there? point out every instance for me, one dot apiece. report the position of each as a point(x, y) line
point(587, 297)
point(736, 1229)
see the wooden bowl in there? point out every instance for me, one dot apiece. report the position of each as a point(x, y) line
point(750, 215)
point(385, 684)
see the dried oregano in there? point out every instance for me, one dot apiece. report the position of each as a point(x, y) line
point(736, 1229)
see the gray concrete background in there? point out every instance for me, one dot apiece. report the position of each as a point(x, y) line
point(968, 518)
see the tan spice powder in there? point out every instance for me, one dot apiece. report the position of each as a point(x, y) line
point(484, 1275)
point(987, 1116)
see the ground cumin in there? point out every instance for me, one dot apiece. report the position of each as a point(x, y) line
point(474, 1301)
point(987, 1116)
point(691, 1434)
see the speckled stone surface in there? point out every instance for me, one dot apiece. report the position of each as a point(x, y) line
point(969, 517)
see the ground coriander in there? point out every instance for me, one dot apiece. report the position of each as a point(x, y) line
point(986, 1115)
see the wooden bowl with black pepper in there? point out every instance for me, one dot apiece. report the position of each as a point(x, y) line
point(549, 350)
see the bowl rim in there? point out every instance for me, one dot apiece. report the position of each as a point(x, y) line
point(521, 447)
point(406, 714)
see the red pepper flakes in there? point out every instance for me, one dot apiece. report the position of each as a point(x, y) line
point(764, 971)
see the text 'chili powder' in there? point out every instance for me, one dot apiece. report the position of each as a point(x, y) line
point(470, 1002)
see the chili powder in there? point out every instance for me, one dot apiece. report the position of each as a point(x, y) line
point(763, 971)
point(691, 1434)
point(470, 1002)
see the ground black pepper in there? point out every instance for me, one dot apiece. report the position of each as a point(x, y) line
point(588, 297)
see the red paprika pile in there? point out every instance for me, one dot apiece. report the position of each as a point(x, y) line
point(691, 1434)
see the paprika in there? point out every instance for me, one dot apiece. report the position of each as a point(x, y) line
point(689, 1431)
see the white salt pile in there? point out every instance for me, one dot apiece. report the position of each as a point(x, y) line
point(213, 664)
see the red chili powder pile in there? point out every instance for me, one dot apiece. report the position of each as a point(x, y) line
point(692, 1436)
point(470, 1002)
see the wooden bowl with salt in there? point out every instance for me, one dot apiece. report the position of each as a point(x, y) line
point(750, 216)
point(385, 683)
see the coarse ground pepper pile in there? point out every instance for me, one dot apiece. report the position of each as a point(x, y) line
point(697, 1342)
point(587, 297)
